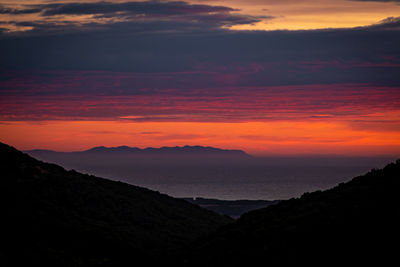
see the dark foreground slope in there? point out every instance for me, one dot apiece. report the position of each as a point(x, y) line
point(354, 223)
point(55, 217)
point(231, 208)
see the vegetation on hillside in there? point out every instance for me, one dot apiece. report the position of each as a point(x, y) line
point(56, 217)
point(353, 223)
point(64, 218)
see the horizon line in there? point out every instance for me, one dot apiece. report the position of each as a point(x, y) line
point(255, 155)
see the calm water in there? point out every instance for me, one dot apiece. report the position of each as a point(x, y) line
point(259, 178)
point(267, 178)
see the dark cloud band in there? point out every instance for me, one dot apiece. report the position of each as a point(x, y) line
point(150, 16)
point(137, 8)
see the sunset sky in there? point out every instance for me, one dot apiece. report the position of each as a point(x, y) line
point(288, 77)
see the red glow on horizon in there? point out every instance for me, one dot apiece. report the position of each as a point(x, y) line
point(257, 138)
point(317, 119)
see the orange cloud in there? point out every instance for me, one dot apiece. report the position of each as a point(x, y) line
point(259, 138)
point(311, 14)
point(287, 14)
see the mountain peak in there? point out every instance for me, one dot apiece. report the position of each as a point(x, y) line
point(176, 150)
point(115, 149)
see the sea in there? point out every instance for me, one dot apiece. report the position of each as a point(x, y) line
point(263, 178)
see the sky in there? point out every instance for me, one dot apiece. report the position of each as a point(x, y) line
point(289, 77)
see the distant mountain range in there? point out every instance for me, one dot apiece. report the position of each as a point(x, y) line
point(162, 151)
point(144, 166)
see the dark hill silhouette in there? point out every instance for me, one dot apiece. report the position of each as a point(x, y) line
point(231, 208)
point(63, 218)
point(54, 217)
point(353, 224)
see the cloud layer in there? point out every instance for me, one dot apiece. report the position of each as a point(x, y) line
point(152, 64)
point(149, 15)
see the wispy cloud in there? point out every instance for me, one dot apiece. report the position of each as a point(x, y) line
point(235, 104)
